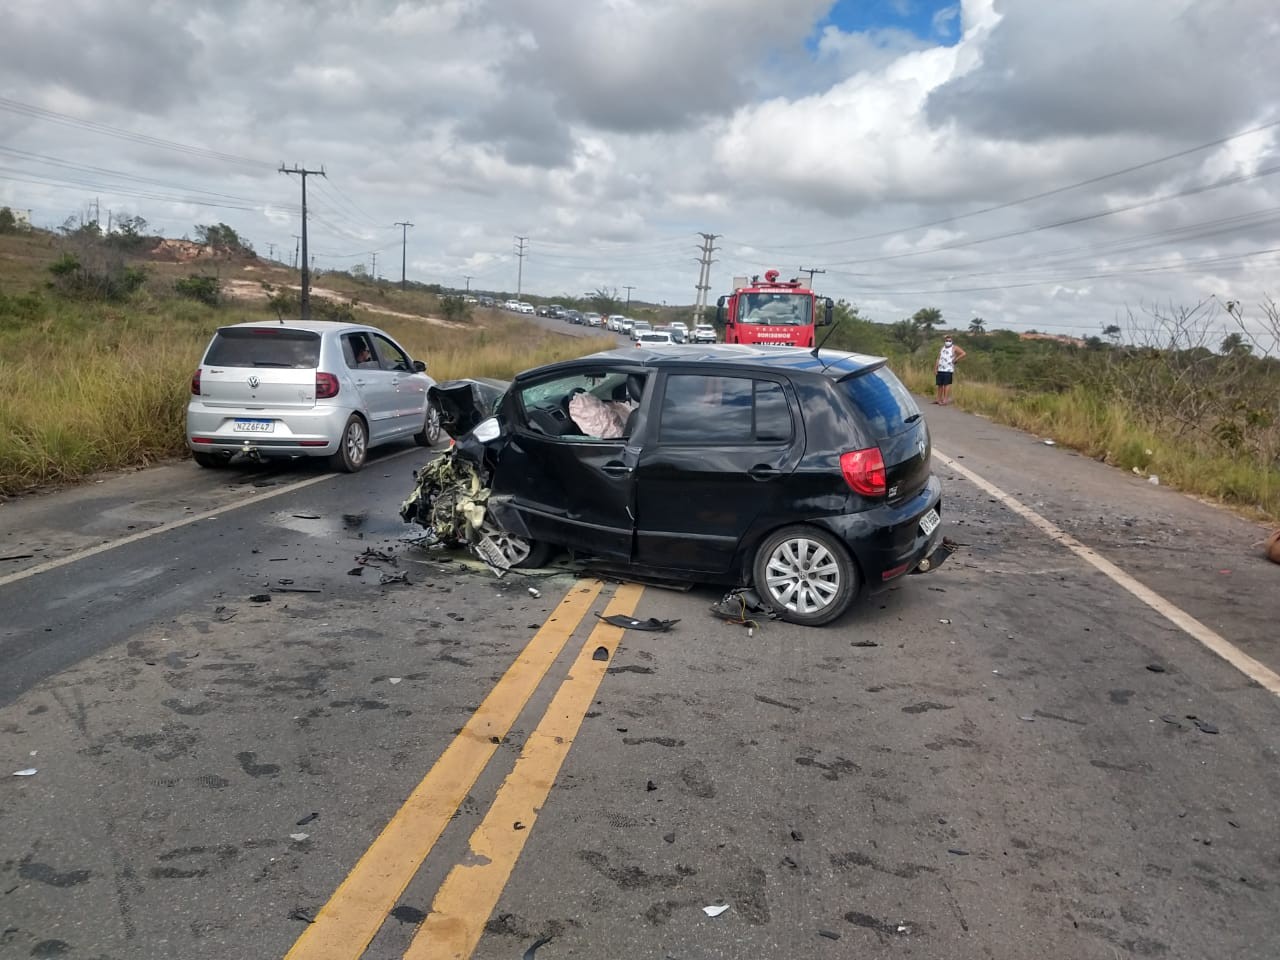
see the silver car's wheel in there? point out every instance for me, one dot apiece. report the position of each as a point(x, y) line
point(353, 447)
point(429, 436)
point(805, 575)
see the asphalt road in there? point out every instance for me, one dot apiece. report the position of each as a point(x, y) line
point(995, 760)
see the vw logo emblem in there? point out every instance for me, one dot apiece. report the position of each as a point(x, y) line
point(921, 444)
point(254, 382)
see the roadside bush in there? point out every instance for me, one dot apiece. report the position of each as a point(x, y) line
point(111, 279)
point(8, 222)
point(204, 289)
point(455, 309)
point(335, 311)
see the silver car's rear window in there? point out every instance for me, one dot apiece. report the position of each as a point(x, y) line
point(264, 347)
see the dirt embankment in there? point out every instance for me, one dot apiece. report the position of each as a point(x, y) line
point(253, 290)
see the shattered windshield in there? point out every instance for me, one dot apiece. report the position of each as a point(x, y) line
point(781, 309)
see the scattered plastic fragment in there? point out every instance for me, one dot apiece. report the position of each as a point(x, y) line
point(260, 598)
point(517, 825)
point(307, 516)
point(298, 837)
point(1153, 480)
point(944, 620)
point(797, 836)
point(902, 928)
point(671, 837)
point(534, 593)
point(394, 679)
point(308, 818)
point(386, 578)
point(297, 914)
point(28, 772)
point(864, 643)
point(650, 786)
point(1155, 668)
point(715, 909)
point(829, 934)
point(296, 589)
point(355, 572)
point(1028, 718)
point(653, 624)
point(958, 852)
point(1171, 720)
point(528, 954)
point(601, 653)
point(1050, 443)
point(1204, 726)
point(18, 556)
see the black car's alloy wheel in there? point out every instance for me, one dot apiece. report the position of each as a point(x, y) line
point(805, 575)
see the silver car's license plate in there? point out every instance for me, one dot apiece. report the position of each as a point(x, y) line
point(929, 522)
point(254, 426)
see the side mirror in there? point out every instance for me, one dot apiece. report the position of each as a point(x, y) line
point(828, 312)
point(420, 366)
point(720, 312)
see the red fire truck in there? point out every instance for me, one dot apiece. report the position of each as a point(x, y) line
point(778, 312)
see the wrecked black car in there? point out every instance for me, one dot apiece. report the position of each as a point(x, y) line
point(806, 474)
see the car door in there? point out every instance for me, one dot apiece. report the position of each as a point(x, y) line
point(717, 453)
point(570, 488)
point(407, 388)
point(373, 384)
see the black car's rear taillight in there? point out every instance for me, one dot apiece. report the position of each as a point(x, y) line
point(326, 386)
point(864, 471)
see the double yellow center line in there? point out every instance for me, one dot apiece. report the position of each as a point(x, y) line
point(351, 918)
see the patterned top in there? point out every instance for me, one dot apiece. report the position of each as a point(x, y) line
point(947, 360)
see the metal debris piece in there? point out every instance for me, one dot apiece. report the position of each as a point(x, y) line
point(957, 852)
point(296, 590)
point(298, 914)
point(355, 572)
point(307, 819)
point(829, 934)
point(260, 598)
point(1204, 726)
point(797, 836)
point(650, 786)
point(653, 624)
point(1155, 668)
point(385, 578)
point(307, 516)
point(18, 556)
point(540, 942)
point(864, 643)
point(669, 837)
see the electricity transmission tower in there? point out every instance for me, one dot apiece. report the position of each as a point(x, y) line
point(306, 272)
point(521, 245)
point(704, 274)
point(468, 279)
point(404, 226)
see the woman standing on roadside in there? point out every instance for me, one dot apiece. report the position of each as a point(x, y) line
point(946, 370)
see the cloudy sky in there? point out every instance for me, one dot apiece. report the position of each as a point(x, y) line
point(1041, 164)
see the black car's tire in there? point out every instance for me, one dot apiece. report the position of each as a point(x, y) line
point(353, 446)
point(429, 435)
point(212, 461)
point(805, 575)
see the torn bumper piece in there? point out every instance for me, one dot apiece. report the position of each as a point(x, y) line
point(938, 557)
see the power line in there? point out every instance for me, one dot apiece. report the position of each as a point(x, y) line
point(1035, 196)
point(93, 126)
point(811, 271)
point(303, 173)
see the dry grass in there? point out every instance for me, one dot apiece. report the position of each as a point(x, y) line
point(1110, 432)
point(86, 387)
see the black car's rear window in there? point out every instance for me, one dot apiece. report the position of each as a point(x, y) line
point(264, 347)
point(884, 402)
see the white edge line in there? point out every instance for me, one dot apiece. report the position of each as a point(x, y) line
point(1251, 668)
point(176, 524)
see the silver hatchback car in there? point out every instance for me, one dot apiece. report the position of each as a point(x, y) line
point(309, 389)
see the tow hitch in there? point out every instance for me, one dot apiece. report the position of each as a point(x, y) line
point(936, 559)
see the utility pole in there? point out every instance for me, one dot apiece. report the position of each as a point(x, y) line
point(704, 274)
point(373, 271)
point(404, 226)
point(811, 271)
point(296, 239)
point(271, 251)
point(628, 289)
point(306, 274)
point(520, 252)
point(468, 279)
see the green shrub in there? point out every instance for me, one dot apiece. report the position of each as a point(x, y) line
point(202, 288)
point(455, 309)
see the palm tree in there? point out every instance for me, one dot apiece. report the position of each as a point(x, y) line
point(977, 325)
point(926, 318)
